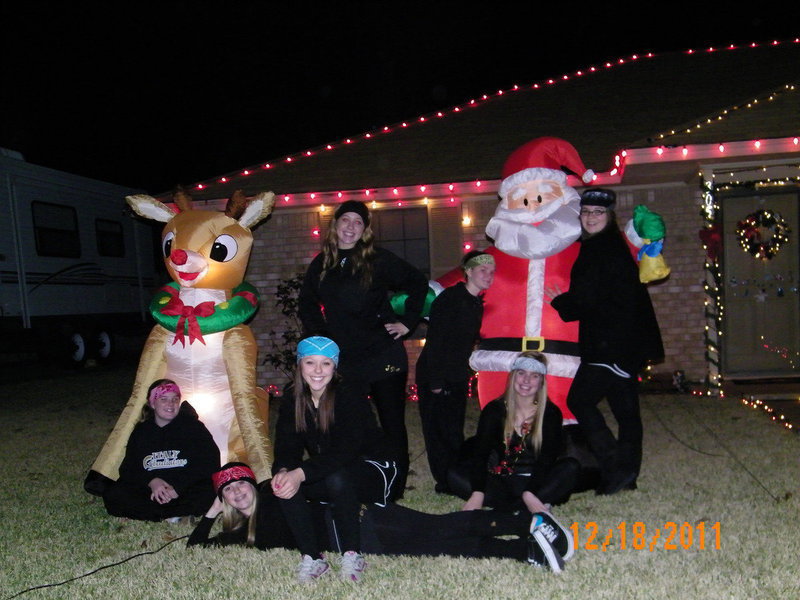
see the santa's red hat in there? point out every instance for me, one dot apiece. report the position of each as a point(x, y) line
point(542, 158)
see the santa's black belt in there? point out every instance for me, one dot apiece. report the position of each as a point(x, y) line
point(537, 344)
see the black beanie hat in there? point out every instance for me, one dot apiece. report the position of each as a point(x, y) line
point(353, 206)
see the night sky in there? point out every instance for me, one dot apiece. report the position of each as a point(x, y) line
point(150, 95)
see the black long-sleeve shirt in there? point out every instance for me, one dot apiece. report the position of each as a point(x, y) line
point(353, 435)
point(490, 443)
point(339, 306)
point(617, 321)
point(272, 530)
point(455, 322)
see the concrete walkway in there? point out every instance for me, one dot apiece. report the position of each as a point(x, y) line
point(779, 399)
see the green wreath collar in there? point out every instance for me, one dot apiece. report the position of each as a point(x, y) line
point(170, 312)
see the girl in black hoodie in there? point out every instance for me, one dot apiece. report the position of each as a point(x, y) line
point(168, 462)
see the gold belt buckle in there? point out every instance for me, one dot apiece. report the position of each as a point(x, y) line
point(539, 340)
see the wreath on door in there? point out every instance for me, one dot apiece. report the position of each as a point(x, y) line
point(762, 233)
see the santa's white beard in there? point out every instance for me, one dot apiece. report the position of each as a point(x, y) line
point(515, 232)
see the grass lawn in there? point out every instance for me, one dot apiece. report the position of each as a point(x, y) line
point(707, 462)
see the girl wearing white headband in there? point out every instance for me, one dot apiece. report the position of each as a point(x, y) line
point(517, 459)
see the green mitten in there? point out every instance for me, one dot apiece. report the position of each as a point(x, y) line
point(648, 225)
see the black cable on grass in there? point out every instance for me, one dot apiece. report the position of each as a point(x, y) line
point(675, 437)
point(733, 456)
point(115, 564)
point(416, 458)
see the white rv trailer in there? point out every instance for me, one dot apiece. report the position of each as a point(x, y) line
point(75, 266)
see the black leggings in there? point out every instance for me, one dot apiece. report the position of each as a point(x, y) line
point(442, 417)
point(383, 377)
point(389, 397)
point(363, 481)
point(474, 533)
point(592, 383)
point(504, 492)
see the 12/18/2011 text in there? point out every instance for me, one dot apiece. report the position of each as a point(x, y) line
point(637, 536)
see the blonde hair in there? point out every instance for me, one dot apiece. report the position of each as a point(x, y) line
point(233, 519)
point(361, 259)
point(533, 439)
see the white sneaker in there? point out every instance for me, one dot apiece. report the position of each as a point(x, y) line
point(311, 569)
point(353, 565)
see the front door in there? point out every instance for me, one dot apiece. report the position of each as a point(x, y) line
point(761, 306)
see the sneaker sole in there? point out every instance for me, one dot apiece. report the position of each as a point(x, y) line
point(313, 578)
point(568, 535)
point(554, 560)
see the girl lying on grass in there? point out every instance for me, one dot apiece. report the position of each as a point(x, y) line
point(251, 517)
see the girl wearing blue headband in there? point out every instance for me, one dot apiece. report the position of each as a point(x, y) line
point(333, 425)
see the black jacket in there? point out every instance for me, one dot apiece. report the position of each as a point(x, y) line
point(617, 321)
point(272, 530)
point(182, 452)
point(353, 435)
point(489, 443)
point(455, 323)
point(354, 317)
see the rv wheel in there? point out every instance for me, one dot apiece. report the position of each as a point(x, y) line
point(103, 348)
point(76, 351)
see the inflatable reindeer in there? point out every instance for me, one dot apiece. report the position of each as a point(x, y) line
point(200, 340)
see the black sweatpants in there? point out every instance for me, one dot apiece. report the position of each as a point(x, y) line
point(474, 533)
point(123, 499)
point(442, 417)
point(592, 383)
point(363, 481)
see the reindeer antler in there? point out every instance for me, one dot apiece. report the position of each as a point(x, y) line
point(182, 200)
point(236, 205)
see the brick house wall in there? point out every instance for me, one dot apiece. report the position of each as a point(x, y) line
point(284, 246)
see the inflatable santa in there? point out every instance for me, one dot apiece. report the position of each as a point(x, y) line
point(534, 231)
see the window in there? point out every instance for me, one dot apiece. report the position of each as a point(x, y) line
point(404, 232)
point(56, 230)
point(110, 240)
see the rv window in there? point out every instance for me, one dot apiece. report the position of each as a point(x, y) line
point(56, 230)
point(110, 240)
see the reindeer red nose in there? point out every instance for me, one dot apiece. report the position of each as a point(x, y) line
point(178, 257)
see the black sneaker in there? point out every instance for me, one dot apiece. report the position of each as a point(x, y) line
point(542, 554)
point(558, 536)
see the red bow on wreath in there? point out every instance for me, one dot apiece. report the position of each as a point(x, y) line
point(176, 308)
